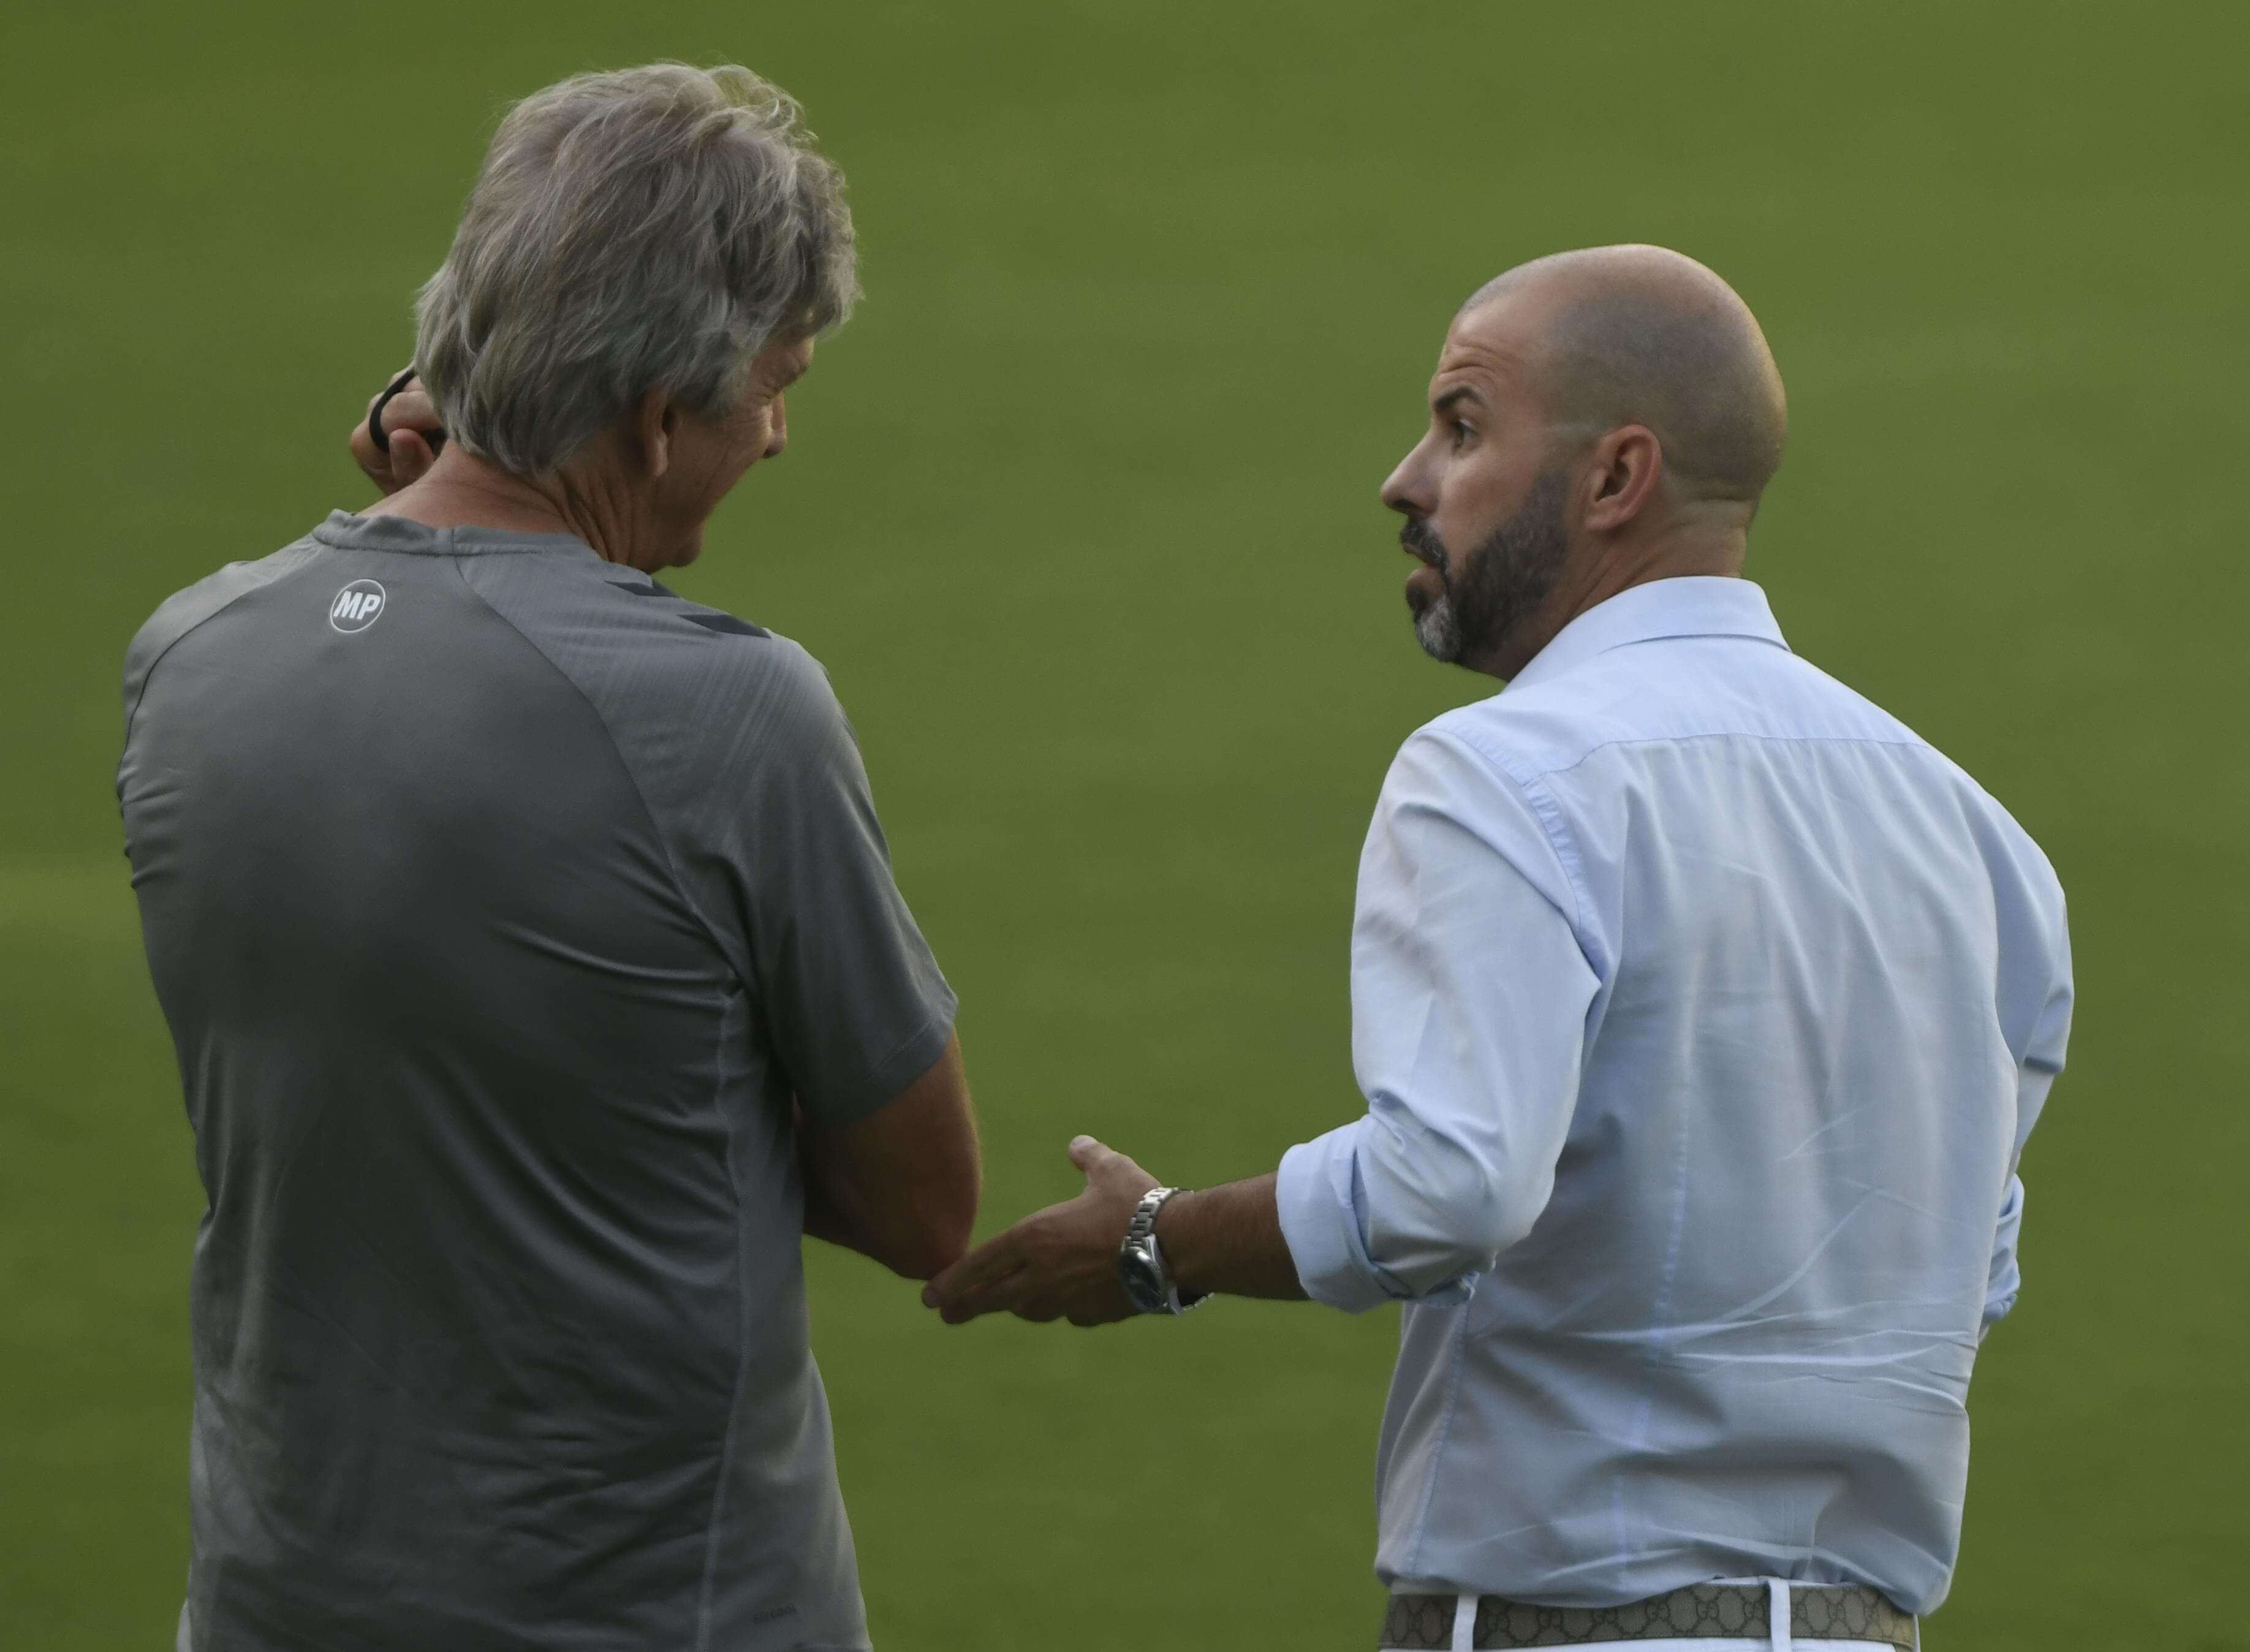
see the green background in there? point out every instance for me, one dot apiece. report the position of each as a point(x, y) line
point(1080, 512)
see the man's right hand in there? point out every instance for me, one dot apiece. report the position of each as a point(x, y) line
point(408, 422)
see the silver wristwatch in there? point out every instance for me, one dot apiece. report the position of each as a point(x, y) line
point(1141, 1262)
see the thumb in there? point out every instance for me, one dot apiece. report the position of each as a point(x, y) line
point(1087, 1154)
point(411, 457)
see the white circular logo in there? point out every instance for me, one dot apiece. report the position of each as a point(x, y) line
point(357, 605)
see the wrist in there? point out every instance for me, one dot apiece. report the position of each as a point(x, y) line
point(1174, 1230)
point(1143, 1269)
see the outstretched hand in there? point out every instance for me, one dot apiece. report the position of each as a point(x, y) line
point(1058, 1263)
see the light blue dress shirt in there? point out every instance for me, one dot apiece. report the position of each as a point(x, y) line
point(1702, 1010)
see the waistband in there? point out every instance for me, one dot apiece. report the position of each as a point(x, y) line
point(1701, 1611)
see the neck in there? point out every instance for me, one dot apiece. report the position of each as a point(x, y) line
point(1702, 544)
point(464, 490)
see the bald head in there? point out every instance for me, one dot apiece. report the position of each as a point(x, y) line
point(1614, 336)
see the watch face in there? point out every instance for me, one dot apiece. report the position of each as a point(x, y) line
point(1143, 1283)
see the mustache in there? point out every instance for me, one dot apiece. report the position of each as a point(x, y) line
point(1417, 536)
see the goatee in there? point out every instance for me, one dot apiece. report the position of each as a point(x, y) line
point(1500, 582)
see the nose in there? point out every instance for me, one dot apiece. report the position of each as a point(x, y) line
point(1406, 490)
point(778, 437)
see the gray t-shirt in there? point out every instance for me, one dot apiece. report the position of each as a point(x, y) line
point(500, 901)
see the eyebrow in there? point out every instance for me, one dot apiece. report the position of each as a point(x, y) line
point(1444, 404)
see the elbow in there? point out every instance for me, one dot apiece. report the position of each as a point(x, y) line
point(1479, 1204)
point(1505, 1213)
point(1436, 1258)
point(1996, 1309)
point(1466, 1220)
point(920, 1263)
point(1481, 1241)
point(925, 1256)
point(1496, 1220)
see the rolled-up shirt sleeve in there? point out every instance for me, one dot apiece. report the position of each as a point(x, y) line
point(1470, 992)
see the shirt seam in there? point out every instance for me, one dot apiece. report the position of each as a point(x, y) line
point(663, 846)
point(1539, 795)
point(1444, 1435)
point(617, 750)
point(1911, 742)
point(1560, 843)
point(452, 551)
point(742, 1342)
point(133, 711)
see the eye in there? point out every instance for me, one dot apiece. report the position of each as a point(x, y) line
point(1461, 433)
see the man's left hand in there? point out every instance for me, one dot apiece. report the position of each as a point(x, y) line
point(410, 419)
point(1059, 1263)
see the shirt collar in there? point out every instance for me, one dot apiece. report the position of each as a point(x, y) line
point(1698, 605)
point(344, 531)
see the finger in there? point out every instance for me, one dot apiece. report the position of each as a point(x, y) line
point(412, 410)
point(390, 379)
point(990, 1261)
point(370, 458)
point(411, 457)
point(1104, 1164)
point(997, 1296)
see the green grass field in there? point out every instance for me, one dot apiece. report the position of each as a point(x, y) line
point(1080, 512)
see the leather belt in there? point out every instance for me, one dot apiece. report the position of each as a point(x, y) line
point(1701, 1611)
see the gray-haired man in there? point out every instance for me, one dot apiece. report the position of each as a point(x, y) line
point(534, 958)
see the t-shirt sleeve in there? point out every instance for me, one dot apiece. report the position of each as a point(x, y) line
point(852, 1000)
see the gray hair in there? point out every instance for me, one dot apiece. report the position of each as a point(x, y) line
point(648, 228)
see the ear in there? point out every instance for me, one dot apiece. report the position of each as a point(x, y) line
point(1628, 466)
point(654, 421)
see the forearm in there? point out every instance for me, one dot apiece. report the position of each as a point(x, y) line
point(900, 1186)
point(823, 1221)
point(916, 1235)
point(1228, 1238)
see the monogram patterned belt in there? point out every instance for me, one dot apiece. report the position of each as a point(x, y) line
point(1703, 1611)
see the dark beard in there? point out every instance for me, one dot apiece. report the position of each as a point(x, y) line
point(1500, 583)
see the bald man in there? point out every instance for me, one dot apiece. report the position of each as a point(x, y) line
point(1701, 1010)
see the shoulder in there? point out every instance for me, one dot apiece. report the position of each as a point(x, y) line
point(1452, 779)
point(632, 643)
point(181, 613)
point(2007, 848)
point(1484, 764)
point(2027, 890)
point(685, 688)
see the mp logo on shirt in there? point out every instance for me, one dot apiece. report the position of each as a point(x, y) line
point(357, 605)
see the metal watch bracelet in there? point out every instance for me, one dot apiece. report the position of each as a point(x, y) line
point(1149, 1283)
